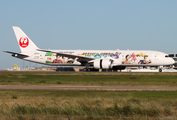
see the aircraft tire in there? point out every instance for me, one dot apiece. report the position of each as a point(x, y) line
point(85, 69)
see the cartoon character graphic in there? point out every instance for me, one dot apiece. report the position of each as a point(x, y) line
point(64, 59)
point(49, 57)
point(133, 57)
point(49, 54)
point(145, 61)
point(97, 55)
point(115, 56)
point(127, 61)
point(75, 60)
point(57, 60)
point(72, 60)
point(82, 54)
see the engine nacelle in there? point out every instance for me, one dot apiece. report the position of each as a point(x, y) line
point(102, 63)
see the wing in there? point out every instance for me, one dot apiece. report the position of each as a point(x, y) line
point(80, 57)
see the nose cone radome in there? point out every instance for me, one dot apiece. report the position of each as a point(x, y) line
point(169, 61)
point(173, 61)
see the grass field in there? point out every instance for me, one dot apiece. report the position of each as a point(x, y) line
point(40, 78)
point(107, 99)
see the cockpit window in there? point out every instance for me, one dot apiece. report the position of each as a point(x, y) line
point(176, 55)
point(166, 55)
point(171, 55)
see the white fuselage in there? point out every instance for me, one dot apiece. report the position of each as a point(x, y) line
point(135, 57)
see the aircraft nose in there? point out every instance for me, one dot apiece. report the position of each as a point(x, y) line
point(172, 61)
point(169, 61)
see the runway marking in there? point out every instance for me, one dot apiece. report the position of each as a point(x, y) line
point(109, 88)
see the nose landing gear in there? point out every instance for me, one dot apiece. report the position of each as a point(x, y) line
point(160, 68)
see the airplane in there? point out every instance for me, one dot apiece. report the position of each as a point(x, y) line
point(90, 59)
point(14, 68)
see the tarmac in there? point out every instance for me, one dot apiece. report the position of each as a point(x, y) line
point(108, 88)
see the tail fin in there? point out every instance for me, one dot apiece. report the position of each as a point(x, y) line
point(15, 66)
point(24, 41)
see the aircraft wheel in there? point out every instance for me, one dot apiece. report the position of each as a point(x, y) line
point(160, 70)
point(85, 69)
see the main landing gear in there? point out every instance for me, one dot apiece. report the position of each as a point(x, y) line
point(91, 69)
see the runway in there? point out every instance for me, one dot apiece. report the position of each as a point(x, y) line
point(109, 88)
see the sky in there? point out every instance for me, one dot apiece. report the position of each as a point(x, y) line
point(88, 24)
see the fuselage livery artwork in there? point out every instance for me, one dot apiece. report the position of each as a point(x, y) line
point(96, 59)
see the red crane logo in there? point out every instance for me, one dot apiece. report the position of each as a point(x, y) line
point(23, 42)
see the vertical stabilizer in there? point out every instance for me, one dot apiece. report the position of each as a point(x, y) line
point(24, 41)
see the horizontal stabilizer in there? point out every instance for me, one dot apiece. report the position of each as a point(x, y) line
point(16, 54)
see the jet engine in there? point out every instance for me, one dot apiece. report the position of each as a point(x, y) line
point(103, 64)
